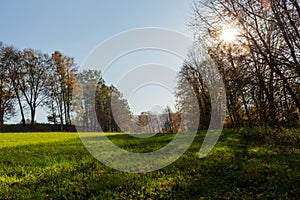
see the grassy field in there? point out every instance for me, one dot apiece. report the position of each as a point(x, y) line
point(243, 165)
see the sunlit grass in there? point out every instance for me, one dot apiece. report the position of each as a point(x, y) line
point(57, 166)
point(19, 139)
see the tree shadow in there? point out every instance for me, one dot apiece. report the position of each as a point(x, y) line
point(234, 169)
point(246, 170)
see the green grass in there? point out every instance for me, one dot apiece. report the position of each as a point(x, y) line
point(57, 166)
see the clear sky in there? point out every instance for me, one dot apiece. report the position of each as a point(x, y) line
point(76, 27)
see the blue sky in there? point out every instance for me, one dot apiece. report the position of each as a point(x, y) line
point(76, 27)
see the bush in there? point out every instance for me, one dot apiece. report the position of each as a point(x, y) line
point(271, 136)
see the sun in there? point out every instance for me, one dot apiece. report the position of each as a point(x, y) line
point(229, 34)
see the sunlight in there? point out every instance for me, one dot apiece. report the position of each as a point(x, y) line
point(229, 35)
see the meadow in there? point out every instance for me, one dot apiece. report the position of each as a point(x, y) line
point(245, 164)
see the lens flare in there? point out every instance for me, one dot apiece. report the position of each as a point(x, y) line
point(229, 35)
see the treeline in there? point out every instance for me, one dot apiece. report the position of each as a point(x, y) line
point(99, 107)
point(260, 67)
point(30, 79)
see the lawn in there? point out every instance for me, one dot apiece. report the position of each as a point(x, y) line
point(243, 165)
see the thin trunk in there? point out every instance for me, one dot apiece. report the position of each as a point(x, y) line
point(65, 109)
point(272, 111)
point(1, 116)
point(1, 108)
point(32, 109)
point(68, 114)
point(21, 109)
point(246, 110)
point(61, 116)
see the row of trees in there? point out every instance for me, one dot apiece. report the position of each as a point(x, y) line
point(26, 78)
point(98, 106)
point(30, 79)
point(165, 122)
point(260, 67)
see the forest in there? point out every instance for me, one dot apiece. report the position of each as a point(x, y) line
point(255, 46)
point(237, 99)
point(31, 79)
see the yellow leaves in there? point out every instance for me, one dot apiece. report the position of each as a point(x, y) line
point(99, 173)
point(260, 195)
point(164, 184)
point(167, 183)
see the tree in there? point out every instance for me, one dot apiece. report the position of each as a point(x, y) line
point(103, 108)
point(85, 100)
point(143, 122)
point(171, 121)
point(192, 73)
point(34, 67)
point(7, 95)
point(260, 67)
point(98, 106)
point(199, 91)
point(11, 58)
point(112, 110)
point(121, 114)
point(187, 103)
point(62, 85)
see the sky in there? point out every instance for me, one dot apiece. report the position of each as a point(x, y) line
point(76, 27)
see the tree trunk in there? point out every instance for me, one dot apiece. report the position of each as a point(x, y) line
point(246, 110)
point(32, 115)
point(21, 109)
point(61, 117)
point(1, 117)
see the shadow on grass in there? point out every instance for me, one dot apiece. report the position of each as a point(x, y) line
point(242, 169)
point(236, 168)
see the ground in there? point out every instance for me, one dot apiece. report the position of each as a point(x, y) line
point(243, 165)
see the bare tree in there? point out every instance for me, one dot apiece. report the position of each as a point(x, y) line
point(33, 68)
point(260, 67)
point(7, 95)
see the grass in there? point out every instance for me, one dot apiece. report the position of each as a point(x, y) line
point(57, 166)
